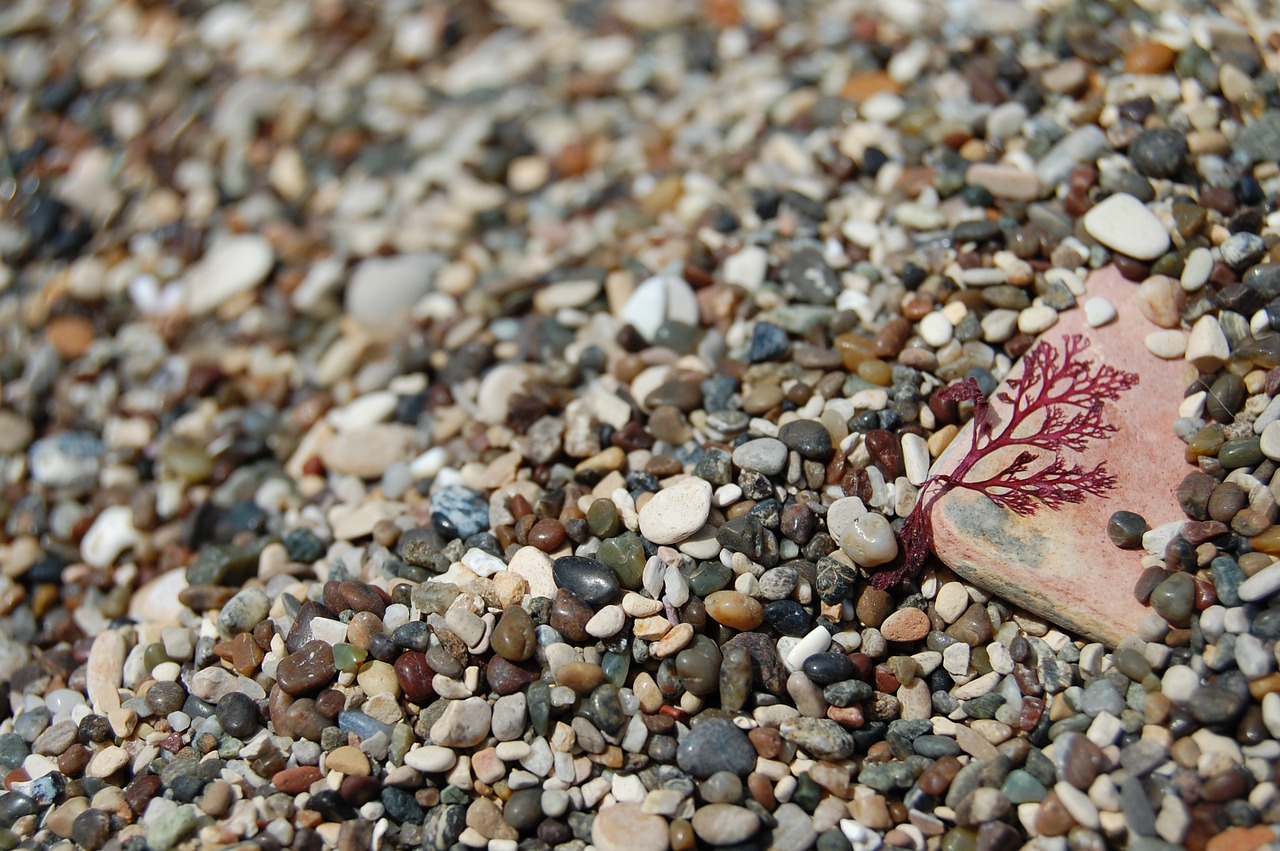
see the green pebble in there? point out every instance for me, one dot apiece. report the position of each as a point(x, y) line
point(226, 564)
point(346, 657)
point(154, 655)
point(453, 795)
point(984, 706)
point(708, 577)
point(1174, 598)
point(615, 667)
point(402, 739)
point(8, 839)
point(603, 519)
point(1170, 264)
point(625, 554)
point(808, 793)
point(959, 839)
point(1021, 787)
point(539, 699)
point(981, 660)
point(1245, 452)
point(187, 462)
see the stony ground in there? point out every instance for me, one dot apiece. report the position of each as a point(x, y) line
point(474, 425)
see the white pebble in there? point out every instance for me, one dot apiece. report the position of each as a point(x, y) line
point(1261, 585)
point(1207, 346)
point(1196, 269)
point(936, 329)
point(112, 533)
point(1169, 345)
point(1098, 311)
point(1270, 441)
point(1037, 318)
point(817, 641)
point(870, 541)
point(915, 458)
point(1124, 224)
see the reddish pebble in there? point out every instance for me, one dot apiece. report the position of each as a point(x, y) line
point(909, 624)
point(1206, 595)
point(414, 675)
point(849, 716)
point(1241, 838)
point(767, 741)
point(293, 781)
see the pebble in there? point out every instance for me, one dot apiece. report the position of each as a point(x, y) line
point(1098, 311)
point(232, 266)
point(383, 289)
point(627, 827)
point(1124, 224)
point(715, 745)
point(676, 512)
point(725, 824)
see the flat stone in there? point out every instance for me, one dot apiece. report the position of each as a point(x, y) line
point(1053, 563)
point(231, 267)
point(627, 827)
point(1004, 181)
point(675, 513)
point(382, 289)
point(1124, 224)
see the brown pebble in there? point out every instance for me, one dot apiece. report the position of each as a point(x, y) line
point(1149, 57)
point(873, 606)
point(766, 740)
point(547, 535)
point(217, 798)
point(935, 779)
point(582, 677)
point(73, 760)
point(761, 789)
point(734, 610)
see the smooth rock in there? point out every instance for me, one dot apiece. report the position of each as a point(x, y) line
point(675, 513)
point(1051, 562)
point(1124, 224)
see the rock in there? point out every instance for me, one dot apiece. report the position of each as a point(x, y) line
point(627, 827)
point(821, 738)
point(464, 724)
point(715, 744)
point(382, 289)
point(111, 534)
point(592, 581)
point(244, 611)
point(1004, 181)
point(1124, 224)
point(1050, 562)
point(725, 824)
point(807, 278)
point(459, 512)
point(906, 624)
point(764, 455)
point(808, 437)
point(675, 513)
point(368, 452)
point(1098, 311)
point(232, 266)
point(104, 671)
point(1158, 153)
point(68, 459)
point(1207, 346)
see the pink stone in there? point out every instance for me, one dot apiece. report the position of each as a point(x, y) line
point(1061, 565)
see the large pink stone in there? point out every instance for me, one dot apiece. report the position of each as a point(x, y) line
point(1061, 565)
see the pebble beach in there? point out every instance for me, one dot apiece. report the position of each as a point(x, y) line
point(475, 426)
